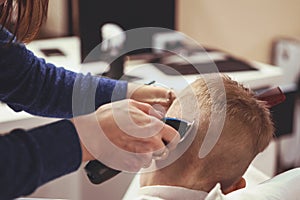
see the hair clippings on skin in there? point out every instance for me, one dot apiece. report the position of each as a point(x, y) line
point(272, 97)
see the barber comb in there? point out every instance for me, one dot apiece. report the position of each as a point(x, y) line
point(272, 97)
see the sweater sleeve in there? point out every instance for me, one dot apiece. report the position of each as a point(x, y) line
point(34, 157)
point(29, 83)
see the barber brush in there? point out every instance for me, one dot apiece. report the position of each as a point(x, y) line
point(272, 97)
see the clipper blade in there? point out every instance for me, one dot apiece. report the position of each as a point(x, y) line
point(183, 127)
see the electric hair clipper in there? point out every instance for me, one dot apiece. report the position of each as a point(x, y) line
point(98, 173)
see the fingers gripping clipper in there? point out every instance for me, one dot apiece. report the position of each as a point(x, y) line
point(98, 173)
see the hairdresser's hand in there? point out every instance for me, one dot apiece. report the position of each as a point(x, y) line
point(159, 97)
point(125, 134)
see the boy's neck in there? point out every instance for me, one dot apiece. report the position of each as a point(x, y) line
point(183, 179)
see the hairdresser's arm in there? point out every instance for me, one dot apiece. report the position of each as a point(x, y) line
point(32, 158)
point(29, 83)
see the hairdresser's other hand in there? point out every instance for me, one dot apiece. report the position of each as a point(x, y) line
point(160, 98)
point(124, 135)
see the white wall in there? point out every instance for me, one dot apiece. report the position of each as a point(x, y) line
point(57, 21)
point(243, 27)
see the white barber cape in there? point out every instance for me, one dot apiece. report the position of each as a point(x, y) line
point(284, 187)
point(177, 193)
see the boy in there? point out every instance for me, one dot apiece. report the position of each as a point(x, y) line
point(246, 131)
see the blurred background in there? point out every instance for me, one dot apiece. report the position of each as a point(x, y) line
point(245, 28)
point(266, 31)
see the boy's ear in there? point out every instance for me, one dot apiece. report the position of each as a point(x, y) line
point(238, 185)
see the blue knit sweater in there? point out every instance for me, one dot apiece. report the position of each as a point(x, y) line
point(34, 157)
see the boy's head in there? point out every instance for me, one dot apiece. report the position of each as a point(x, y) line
point(247, 131)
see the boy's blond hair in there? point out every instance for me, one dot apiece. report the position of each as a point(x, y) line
point(247, 130)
